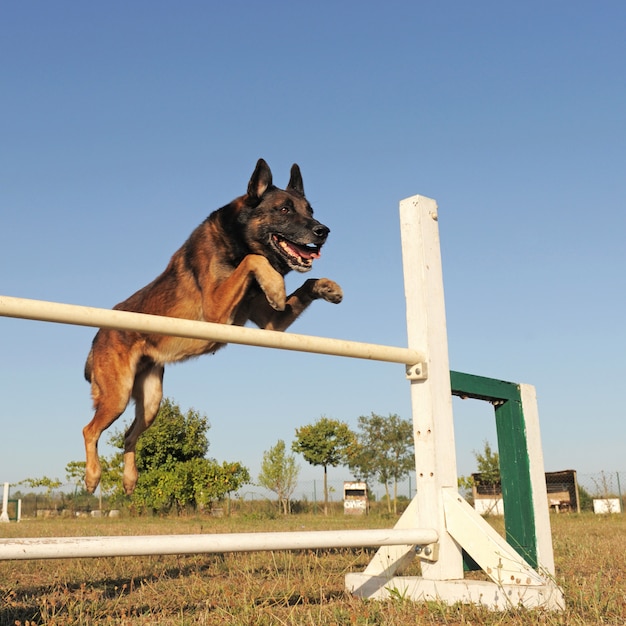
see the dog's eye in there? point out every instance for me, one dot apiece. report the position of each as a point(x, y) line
point(284, 210)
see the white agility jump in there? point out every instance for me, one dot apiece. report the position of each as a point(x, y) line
point(437, 527)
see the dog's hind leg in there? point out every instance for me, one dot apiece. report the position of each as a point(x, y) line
point(111, 388)
point(147, 393)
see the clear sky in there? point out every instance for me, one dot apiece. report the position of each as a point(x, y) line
point(123, 124)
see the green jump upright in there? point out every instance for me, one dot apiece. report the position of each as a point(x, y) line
point(515, 475)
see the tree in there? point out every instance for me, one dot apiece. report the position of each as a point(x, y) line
point(196, 483)
point(279, 473)
point(488, 465)
point(324, 443)
point(173, 470)
point(109, 480)
point(220, 480)
point(173, 438)
point(50, 484)
point(75, 473)
point(384, 449)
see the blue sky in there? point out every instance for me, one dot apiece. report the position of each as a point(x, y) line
point(122, 125)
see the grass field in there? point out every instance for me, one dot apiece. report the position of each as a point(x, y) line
point(283, 587)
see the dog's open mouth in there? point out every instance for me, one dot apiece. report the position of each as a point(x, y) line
point(298, 256)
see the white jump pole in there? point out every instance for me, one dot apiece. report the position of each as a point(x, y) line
point(140, 322)
point(79, 547)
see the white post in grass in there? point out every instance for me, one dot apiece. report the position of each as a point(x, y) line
point(4, 516)
point(545, 551)
point(431, 399)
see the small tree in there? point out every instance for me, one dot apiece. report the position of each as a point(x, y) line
point(211, 481)
point(488, 466)
point(324, 443)
point(173, 470)
point(50, 484)
point(279, 473)
point(361, 461)
point(109, 480)
point(75, 473)
point(175, 437)
point(384, 448)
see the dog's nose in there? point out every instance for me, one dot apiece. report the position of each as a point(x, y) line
point(321, 231)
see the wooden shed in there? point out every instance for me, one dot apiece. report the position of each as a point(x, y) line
point(355, 500)
point(562, 488)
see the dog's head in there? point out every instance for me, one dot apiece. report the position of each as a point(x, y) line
point(279, 224)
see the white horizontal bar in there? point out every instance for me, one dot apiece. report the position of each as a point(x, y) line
point(123, 320)
point(80, 547)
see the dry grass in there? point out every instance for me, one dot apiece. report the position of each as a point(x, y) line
point(282, 587)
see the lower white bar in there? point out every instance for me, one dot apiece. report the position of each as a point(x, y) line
point(78, 547)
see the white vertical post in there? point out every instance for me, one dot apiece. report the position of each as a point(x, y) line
point(431, 399)
point(545, 553)
point(4, 516)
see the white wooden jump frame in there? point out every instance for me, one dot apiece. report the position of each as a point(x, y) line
point(438, 525)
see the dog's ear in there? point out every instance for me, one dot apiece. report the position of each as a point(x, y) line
point(295, 181)
point(260, 181)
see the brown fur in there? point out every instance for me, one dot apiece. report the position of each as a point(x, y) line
point(229, 271)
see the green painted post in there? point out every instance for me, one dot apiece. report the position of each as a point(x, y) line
point(519, 516)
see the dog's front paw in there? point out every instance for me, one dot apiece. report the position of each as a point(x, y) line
point(328, 290)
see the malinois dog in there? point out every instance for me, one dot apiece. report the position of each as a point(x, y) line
point(229, 271)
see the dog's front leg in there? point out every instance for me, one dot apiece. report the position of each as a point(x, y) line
point(312, 289)
point(221, 301)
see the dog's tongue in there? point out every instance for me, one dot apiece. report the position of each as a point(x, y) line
point(305, 252)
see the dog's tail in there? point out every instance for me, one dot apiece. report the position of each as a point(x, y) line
point(89, 366)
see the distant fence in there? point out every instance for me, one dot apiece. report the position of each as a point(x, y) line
point(69, 499)
point(604, 484)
